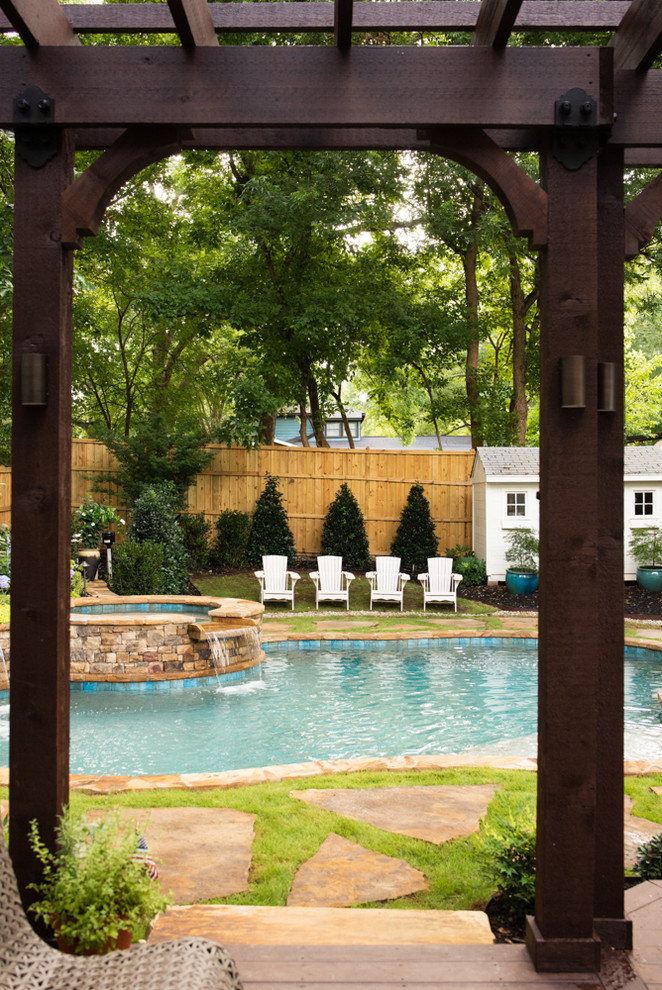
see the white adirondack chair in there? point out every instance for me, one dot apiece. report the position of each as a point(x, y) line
point(331, 582)
point(440, 584)
point(387, 584)
point(276, 582)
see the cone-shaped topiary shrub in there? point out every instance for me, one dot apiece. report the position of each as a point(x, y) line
point(270, 532)
point(343, 532)
point(415, 539)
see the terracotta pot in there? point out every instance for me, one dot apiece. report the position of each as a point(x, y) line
point(123, 941)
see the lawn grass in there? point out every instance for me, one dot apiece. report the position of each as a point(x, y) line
point(288, 832)
point(244, 584)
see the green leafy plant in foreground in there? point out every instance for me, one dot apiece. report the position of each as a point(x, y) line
point(507, 846)
point(137, 568)
point(94, 885)
point(649, 859)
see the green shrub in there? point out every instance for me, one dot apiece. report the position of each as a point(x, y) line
point(523, 548)
point(270, 532)
point(649, 859)
point(508, 851)
point(343, 532)
point(137, 568)
point(415, 539)
point(196, 530)
point(155, 453)
point(465, 562)
point(233, 528)
point(154, 520)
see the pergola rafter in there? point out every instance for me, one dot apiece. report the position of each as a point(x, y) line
point(585, 111)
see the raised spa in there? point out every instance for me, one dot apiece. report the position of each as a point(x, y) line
point(158, 637)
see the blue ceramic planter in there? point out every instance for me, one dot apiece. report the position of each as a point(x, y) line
point(521, 582)
point(650, 578)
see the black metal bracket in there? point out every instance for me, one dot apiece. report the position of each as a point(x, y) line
point(576, 136)
point(37, 136)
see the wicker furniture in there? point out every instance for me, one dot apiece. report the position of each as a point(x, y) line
point(28, 963)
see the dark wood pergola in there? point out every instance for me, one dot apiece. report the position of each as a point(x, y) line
point(589, 112)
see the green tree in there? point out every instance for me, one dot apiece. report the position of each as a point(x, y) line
point(157, 453)
point(270, 531)
point(343, 531)
point(415, 538)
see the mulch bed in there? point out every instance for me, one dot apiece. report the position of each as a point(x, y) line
point(639, 604)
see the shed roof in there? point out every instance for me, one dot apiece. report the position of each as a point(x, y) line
point(522, 461)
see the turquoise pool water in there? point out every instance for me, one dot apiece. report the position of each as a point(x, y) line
point(340, 700)
point(136, 608)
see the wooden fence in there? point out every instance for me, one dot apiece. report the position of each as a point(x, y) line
point(309, 479)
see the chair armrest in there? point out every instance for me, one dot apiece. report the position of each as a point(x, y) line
point(404, 577)
point(315, 577)
point(259, 575)
point(456, 578)
point(372, 577)
point(293, 576)
point(348, 576)
point(425, 580)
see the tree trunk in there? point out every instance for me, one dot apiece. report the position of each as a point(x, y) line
point(267, 430)
point(469, 264)
point(345, 421)
point(316, 418)
point(519, 404)
point(303, 427)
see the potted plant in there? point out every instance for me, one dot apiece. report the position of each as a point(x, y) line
point(88, 522)
point(646, 549)
point(522, 555)
point(97, 889)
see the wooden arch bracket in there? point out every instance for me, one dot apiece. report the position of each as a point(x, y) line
point(86, 199)
point(524, 200)
point(642, 215)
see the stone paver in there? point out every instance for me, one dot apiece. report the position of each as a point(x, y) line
point(658, 790)
point(201, 852)
point(434, 813)
point(637, 831)
point(238, 924)
point(342, 873)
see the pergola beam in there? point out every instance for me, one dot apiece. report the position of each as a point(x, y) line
point(638, 39)
point(318, 15)
point(495, 22)
point(297, 86)
point(343, 12)
point(193, 22)
point(39, 22)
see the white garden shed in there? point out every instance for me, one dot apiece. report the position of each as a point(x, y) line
point(505, 490)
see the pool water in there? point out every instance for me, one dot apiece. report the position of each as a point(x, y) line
point(337, 702)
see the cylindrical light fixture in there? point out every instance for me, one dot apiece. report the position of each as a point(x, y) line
point(34, 383)
point(607, 386)
point(573, 382)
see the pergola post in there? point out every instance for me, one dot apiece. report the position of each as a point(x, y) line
point(580, 718)
point(41, 506)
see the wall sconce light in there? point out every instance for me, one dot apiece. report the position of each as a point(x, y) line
point(607, 387)
point(34, 384)
point(573, 382)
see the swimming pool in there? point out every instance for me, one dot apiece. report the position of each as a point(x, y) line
point(337, 701)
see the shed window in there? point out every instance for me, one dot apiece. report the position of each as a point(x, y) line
point(515, 503)
point(643, 503)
